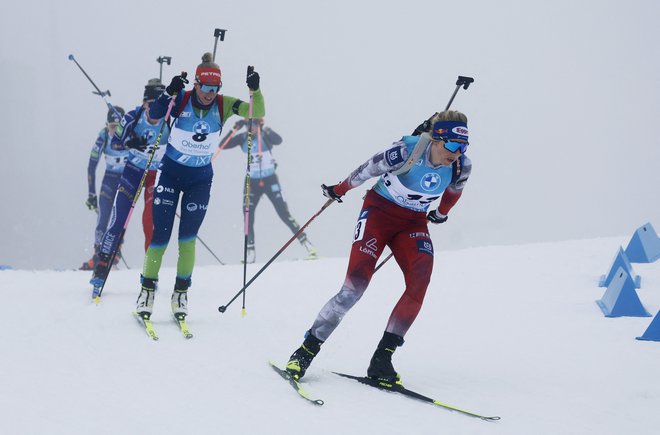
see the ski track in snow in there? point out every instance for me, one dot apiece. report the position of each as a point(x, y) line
point(512, 331)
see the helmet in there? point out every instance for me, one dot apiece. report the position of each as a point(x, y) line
point(115, 116)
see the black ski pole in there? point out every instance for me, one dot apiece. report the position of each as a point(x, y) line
point(218, 33)
point(250, 69)
point(161, 60)
point(98, 91)
point(223, 308)
point(461, 81)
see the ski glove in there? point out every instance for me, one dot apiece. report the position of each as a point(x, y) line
point(436, 217)
point(329, 192)
point(92, 202)
point(240, 124)
point(176, 85)
point(253, 80)
point(137, 143)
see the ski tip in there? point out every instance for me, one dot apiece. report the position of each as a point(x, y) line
point(97, 300)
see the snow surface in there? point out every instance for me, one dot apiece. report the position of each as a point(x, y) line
point(511, 331)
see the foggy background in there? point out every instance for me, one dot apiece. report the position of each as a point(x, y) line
point(562, 113)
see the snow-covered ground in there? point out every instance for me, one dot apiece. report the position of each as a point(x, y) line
point(511, 331)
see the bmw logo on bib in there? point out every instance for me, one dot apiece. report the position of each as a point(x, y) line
point(430, 181)
point(202, 127)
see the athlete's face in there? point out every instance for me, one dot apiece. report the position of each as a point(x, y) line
point(112, 127)
point(205, 97)
point(441, 155)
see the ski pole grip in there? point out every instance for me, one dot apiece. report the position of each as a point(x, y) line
point(464, 81)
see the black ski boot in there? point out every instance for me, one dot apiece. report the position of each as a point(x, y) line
point(179, 300)
point(301, 359)
point(101, 270)
point(381, 366)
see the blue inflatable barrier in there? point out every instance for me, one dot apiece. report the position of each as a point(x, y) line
point(620, 260)
point(644, 247)
point(653, 331)
point(620, 298)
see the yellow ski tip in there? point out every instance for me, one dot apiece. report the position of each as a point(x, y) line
point(97, 300)
point(243, 312)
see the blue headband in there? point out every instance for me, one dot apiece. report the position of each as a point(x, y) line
point(450, 130)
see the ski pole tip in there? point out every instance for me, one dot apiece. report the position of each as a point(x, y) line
point(243, 312)
point(222, 308)
point(71, 57)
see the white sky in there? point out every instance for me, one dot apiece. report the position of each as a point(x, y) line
point(561, 113)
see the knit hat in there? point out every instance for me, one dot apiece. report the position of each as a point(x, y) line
point(115, 117)
point(208, 72)
point(153, 89)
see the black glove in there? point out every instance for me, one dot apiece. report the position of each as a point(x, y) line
point(137, 143)
point(176, 85)
point(253, 80)
point(329, 192)
point(92, 202)
point(240, 124)
point(436, 217)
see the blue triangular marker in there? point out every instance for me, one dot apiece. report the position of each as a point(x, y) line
point(620, 260)
point(644, 247)
point(620, 298)
point(653, 331)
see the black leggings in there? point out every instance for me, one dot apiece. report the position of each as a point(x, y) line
point(270, 186)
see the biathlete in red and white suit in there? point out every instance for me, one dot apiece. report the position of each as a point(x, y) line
point(394, 214)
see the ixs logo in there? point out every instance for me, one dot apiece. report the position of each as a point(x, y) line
point(430, 181)
point(184, 115)
point(191, 206)
point(370, 248)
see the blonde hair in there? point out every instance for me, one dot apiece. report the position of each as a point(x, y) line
point(449, 115)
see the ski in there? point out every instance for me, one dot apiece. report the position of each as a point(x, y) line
point(143, 319)
point(180, 320)
point(397, 387)
point(295, 384)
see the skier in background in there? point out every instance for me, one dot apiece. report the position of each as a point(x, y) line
point(115, 160)
point(264, 180)
point(138, 133)
point(394, 214)
point(186, 170)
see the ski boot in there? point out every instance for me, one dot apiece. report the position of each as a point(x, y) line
point(380, 367)
point(87, 265)
point(300, 360)
point(251, 254)
point(145, 300)
point(311, 250)
point(180, 298)
point(101, 270)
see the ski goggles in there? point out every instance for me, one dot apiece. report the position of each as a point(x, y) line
point(453, 146)
point(209, 88)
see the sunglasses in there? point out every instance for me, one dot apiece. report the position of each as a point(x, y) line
point(455, 146)
point(210, 88)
